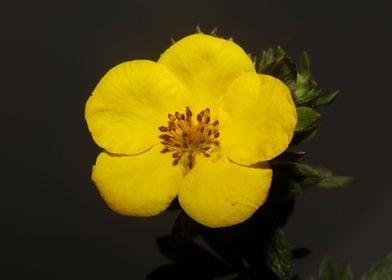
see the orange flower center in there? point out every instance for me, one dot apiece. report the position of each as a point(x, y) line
point(185, 137)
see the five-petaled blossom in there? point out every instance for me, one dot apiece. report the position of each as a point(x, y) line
point(199, 124)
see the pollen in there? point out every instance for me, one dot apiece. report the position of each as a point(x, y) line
point(184, 137)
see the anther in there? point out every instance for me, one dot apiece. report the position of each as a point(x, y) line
point(188, 111)
point(165, 137)
point(176, 155)
point(183, 138)
point(171, 117)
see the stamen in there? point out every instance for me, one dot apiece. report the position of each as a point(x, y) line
point(199, 116)
point(183, 137)
point(171, 117)
point(176, 155)
point(188, 111)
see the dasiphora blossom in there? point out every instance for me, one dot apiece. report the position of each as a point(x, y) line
point(199, 124)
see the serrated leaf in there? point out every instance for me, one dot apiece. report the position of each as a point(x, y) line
point(279, 65)
point(380, 271)
point(305, 63)
point(287, 72)
point(266, 58)
point(336, 182)
point(280, 52)
point(282, 69)
point(326, 100)
point(345, 272)
point(291, 179)
point(304, 174)
point(306, 118)
point(278, 256)
point(327, 269)
point(306, 91)
point(304, 95)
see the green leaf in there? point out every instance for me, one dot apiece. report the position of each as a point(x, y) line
point(291, 179)
point(278, 256)
point(306, 89)
point(327, 270)
point(380, 271)
point(327, 100)
point(279, 65)
point(266, 58)
point(345, 272)
point(305, 64)
point(336, 182)
point(307, 117)
point(305, 175)
point(280, 52)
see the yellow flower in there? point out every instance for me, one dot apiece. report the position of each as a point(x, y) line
point(200, 123)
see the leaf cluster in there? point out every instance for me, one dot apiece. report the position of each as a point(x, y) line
point(304, 89)
point(382, 270)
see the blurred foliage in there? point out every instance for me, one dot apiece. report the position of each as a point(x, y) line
point(382, 270)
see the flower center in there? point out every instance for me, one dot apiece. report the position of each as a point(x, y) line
point(185, 137)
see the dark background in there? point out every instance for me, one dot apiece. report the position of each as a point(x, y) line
point(53, 223)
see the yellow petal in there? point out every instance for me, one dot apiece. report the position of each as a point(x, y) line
point(219, 193)
point(257, 117)
point(140, 185)
point(207, 65)
point(129, 104)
